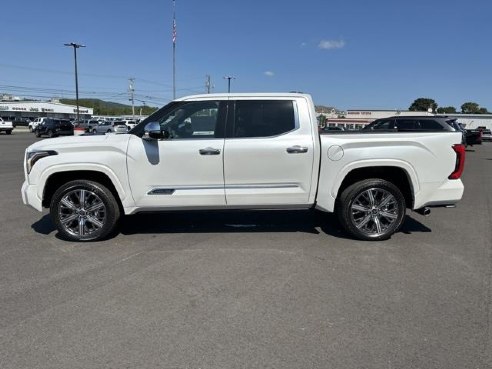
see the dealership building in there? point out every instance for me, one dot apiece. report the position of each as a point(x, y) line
point(19, 111)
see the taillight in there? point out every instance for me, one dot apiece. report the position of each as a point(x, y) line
point(459, 149)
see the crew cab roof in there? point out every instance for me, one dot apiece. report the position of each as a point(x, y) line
point(223, 96)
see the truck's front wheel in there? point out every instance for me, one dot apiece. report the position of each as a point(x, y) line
point(372, 209)
point(84, 210)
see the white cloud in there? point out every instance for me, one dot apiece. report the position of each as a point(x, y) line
point(269, 73)
point(331, 44)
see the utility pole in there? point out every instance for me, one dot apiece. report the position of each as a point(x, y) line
point(208, 84)
point(131, 91)
point(229, 82)
point(75, 47)
point(174, 49)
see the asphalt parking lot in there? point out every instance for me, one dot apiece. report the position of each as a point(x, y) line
point(247, 290)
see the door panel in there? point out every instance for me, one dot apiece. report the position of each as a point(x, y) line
point(171, 173)
point(272, 170)
point(185, 169)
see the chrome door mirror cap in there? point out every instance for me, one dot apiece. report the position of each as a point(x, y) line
point(152, 131)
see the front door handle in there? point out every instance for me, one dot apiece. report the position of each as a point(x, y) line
point(209, 151)
point(297, 149)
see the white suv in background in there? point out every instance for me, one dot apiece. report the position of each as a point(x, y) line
point(36, 122)
point(130, 123)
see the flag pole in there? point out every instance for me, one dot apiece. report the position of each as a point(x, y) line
point(174, 49)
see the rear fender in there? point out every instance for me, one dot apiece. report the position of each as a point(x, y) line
point(329, 189)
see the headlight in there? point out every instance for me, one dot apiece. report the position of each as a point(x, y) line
point(33, 156)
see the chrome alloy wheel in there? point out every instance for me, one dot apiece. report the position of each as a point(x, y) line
point(81, 212)
point(374, 210)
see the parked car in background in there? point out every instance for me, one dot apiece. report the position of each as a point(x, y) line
point(470, 136)
point(32, 125)
point(130, 123)
point(102, 127)
point(333, 128)
point(412, 124)
point(21, 121)
point(54, 127)
point(81, 124)
point(473, 137)
point(416, 124)
point(120, 127)
point(91, 124)
point(486, 135)
point(6, 126)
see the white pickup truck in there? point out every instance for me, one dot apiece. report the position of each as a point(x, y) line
point(6, 126)
point(242, 151)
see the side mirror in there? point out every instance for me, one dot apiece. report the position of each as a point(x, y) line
point(152, 131)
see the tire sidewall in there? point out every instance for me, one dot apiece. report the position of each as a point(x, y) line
point(112, 209)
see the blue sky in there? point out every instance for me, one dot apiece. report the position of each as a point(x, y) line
point(378, 54)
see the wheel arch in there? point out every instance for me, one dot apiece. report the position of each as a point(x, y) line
point(394, 174)
point(57, 179)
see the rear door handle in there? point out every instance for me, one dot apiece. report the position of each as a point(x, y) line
point(209, 151)
point(297, 149)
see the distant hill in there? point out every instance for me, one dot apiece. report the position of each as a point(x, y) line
point(102, 107)
point(323, 109)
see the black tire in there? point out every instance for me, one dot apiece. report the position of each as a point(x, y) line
point(84, 210)
point(37, 133)
point(371, 210)
point(94, 132)
point(51, 133)
point(8, 132)
point(108, 131)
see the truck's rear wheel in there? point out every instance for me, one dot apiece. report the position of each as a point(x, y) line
point(84, 211)
point(372, 209)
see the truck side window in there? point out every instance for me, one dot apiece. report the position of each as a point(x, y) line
point(263, 118)
point(192, 120)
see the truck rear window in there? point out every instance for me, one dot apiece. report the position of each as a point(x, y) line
point(263, 118)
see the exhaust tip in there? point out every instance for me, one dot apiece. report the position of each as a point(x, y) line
point(425, 211)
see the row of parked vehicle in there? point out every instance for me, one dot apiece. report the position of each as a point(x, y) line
point(53, 127)
point(425, 124)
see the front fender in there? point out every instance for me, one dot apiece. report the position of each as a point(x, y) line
point(93, 167)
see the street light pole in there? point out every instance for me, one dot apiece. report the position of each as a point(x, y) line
point(229, 82)
point(75, 47)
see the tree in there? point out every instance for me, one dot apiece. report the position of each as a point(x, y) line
point(470, 108)
point(423, 104)
point(447, 110)
point(322, 120)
